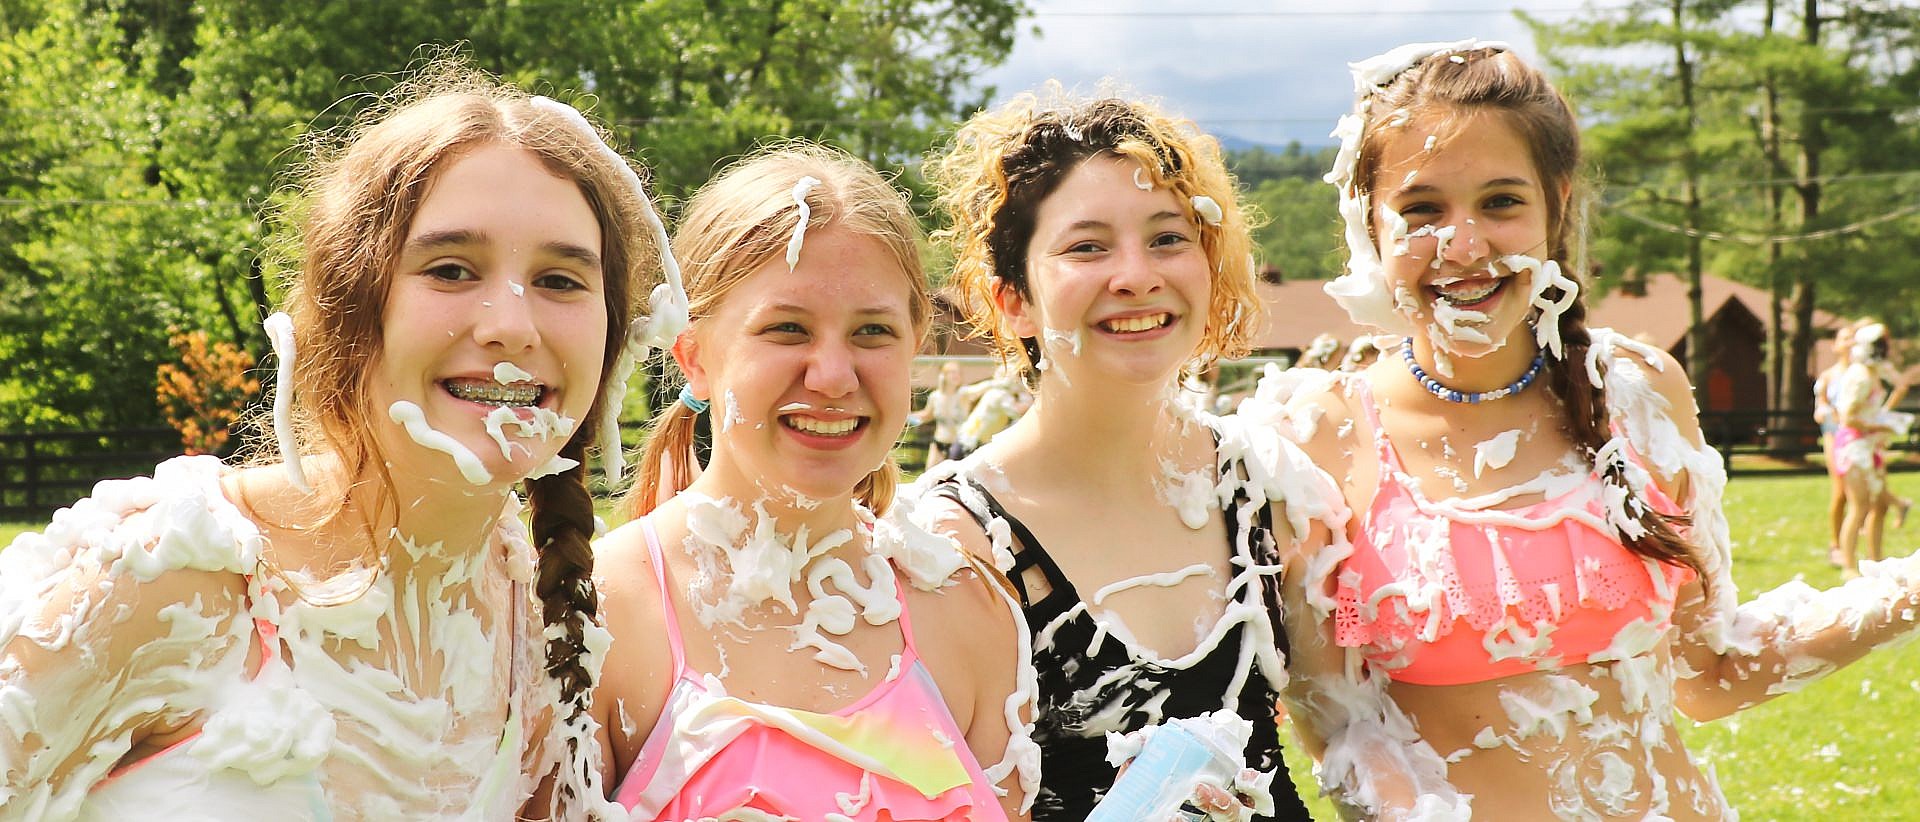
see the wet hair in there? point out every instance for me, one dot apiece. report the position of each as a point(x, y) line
point(1452, 88)
point(362, 188)
point(1002, 164)
point(739, 221)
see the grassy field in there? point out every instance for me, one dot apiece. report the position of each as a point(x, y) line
point(1844, 748)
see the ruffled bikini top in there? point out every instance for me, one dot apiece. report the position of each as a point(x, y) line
point(895, 754)
point(1450, 593)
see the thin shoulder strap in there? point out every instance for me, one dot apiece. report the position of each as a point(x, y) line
point(1260, 543)
point(911, 651)
point(1383, 446)
point(1027, 551)
point(674, 640)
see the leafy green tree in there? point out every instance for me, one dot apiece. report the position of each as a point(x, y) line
point(141, 141)
point(1302, 235)
point(85, 224)
point(1772, 145)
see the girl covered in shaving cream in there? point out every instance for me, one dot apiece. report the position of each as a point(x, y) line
point(1531, 570)
point(781, 651)
point(1103, 246)
point(364, 630)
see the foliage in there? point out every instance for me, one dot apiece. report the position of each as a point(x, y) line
point(1301, 235)
point(1803, 127)
point(141, 141)
point(206, 391)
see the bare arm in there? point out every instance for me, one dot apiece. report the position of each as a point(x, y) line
point(1372, 759)
point(113, 631)
point(1734, 655)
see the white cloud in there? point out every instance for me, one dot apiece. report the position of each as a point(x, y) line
point(1269, 72)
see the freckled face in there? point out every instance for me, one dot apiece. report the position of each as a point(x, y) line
point(501, 264)
point(808, 369)
point(1467, 199)
point(1119, 266)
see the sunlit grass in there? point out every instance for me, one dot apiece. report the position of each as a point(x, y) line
point(1844, 748)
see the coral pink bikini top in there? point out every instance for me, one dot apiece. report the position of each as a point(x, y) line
point(1448, 594)
point(896, 754)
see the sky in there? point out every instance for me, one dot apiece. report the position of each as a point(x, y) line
point(1267, 71)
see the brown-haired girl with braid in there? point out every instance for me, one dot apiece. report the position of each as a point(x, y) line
point(363, 629)
point(1529, 569)
point(779, 651)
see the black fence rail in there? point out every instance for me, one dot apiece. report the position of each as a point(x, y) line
point(42, 472)
point(1779, 434)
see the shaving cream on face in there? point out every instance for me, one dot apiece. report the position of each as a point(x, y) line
point(410, 417)
point(1363, 289)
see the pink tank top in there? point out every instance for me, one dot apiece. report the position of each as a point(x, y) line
point(1441, 594)
point(895, 754)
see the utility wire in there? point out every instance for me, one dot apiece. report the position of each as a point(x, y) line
point(1763, 239)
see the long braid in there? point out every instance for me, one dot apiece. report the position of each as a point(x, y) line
point(1588, 423)
point(563, 527)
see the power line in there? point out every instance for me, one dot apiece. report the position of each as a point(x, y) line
point(1295, 13)
point(1760, 239)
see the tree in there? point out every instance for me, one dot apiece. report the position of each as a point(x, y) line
point(86, 228)
point(142, 141)
point(1768, 115)
point(1301, 235)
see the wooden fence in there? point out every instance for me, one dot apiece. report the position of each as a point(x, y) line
point(42, 472)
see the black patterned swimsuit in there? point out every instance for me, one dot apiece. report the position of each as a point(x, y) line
point(1090, 684)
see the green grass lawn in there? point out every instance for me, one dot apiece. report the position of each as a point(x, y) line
point(1844, 748)
point(9, 530)
point(1847, 747)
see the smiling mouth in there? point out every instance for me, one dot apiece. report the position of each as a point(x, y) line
point(823, 428)
point(1461, 293)
point(487, 392)
point(1135, 325)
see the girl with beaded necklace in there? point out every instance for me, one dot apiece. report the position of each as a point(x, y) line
point(1527, 567)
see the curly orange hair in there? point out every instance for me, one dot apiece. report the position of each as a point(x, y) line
point(1002, 164)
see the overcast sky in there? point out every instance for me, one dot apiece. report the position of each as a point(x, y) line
point(1268, 71)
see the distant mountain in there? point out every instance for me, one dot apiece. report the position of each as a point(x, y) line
point(1233, 143)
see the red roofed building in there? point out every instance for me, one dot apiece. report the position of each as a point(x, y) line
point(1654, 310)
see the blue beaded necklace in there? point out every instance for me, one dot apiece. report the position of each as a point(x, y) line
point(1434, 387)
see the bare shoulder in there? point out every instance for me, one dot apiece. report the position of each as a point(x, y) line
point(968, 636)
point(1633, 367)
point(623, 549)
point(1319, 418)
point(973, 598)
point(933, 505)
point(631, 604)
